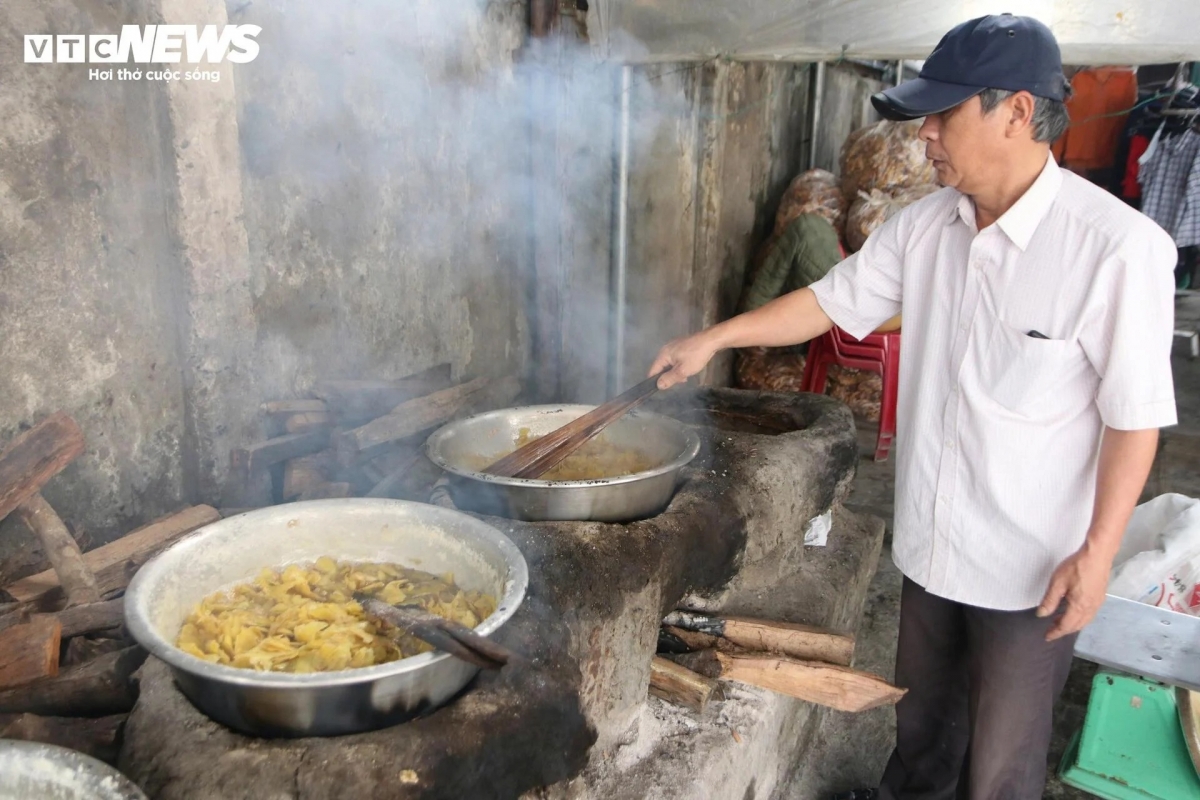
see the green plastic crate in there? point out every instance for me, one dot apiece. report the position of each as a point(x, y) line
point(1131, 746)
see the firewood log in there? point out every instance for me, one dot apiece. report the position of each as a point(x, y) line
point(36, 456)
point(99, 687)
point(29, 652)
point(76, 620)
point(308, 421)
point(82, 649)
point(288, 407)
point(829, 685)
point(422, 413)
point(99, 738)
point(677, 684)
point(356, 402)
point(114, 564)
point(74, 576)
point(752, 634)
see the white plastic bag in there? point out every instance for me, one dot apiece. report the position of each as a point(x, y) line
point(1159, 560)
point(816, 533)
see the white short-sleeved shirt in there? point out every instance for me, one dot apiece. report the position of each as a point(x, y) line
point(998, 431)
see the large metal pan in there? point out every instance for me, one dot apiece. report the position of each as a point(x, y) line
point(460, 446)
point(234, 550)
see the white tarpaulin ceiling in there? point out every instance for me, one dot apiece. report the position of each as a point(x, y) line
point(1091, 32)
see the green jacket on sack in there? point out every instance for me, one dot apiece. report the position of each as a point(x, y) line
point(805, 251)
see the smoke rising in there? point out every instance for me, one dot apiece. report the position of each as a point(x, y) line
point(412, 172)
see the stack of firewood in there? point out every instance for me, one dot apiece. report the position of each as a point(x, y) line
point(812, 664)
point(356, 438)
point(66, 663)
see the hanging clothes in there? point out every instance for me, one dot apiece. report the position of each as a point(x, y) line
point(1100, 95)
point(1169, 175)
point(1131, 189)
point(1143, 124)
point(1187, 228)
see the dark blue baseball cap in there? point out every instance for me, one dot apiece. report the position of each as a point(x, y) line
point(995, 52)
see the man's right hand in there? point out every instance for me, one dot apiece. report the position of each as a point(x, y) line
point(684, 358)
point(791, 319)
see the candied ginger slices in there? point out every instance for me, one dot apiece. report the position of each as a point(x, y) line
point(302, 618)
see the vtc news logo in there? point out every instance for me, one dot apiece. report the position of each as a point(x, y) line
point(147, 44)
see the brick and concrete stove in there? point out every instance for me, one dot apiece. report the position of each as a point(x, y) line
point(575, 720)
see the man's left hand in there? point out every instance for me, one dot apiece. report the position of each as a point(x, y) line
point(1081, 580)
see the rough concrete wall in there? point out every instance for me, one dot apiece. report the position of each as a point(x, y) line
point(586, 117)
point(703, 192)
point(86, 270)
point(216, 319)
point(713, 146)
point(354, 202)
point(664, 170)
point(845, 107)
point(384, 150)
point(754, 149)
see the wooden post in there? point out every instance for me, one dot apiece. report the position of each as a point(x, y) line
point(62, 551)
point(28, 462)
point(543, 17)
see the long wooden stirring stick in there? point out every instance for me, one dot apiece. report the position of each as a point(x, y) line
point(547, 452)
point(457, 640)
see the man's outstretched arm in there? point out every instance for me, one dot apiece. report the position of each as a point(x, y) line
point(791, 319)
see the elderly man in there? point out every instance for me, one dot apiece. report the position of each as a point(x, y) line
point(1035, 375)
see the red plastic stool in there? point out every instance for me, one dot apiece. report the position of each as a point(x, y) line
point(878, 353)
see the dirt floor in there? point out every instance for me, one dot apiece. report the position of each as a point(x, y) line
point(851, 749)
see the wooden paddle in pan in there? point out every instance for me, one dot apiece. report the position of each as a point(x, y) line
point(547, 452)
point(457, 640)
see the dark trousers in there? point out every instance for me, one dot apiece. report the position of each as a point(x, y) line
point(976, 721)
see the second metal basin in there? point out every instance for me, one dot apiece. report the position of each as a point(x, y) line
point(457, 449)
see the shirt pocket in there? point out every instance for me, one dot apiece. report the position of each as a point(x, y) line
point(1028, 375)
